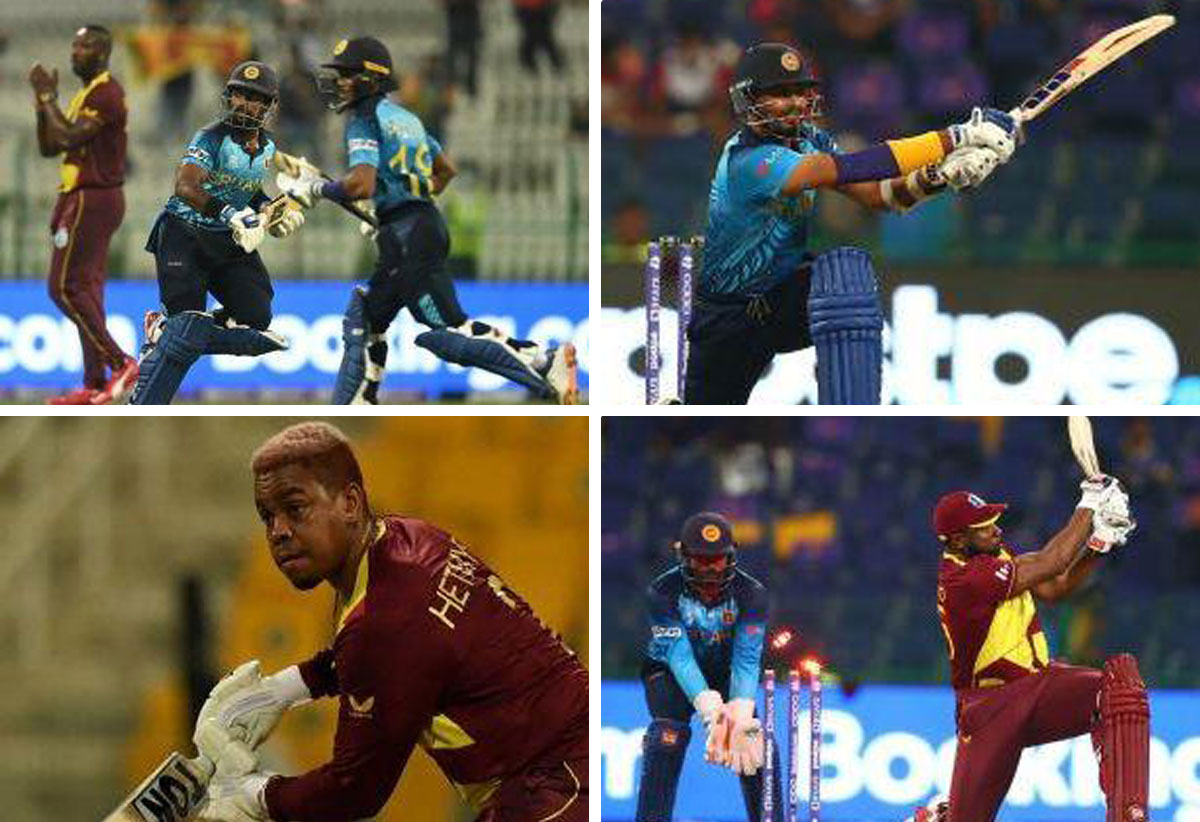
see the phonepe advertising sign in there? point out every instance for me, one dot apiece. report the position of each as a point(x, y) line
point(935, 356)
point(39, 347)
point(890, 748)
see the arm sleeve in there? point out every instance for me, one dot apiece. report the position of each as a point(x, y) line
point(669, 643)
point(748, 639)
point(201, 151)
point(319, 674)
point(435, 148)
point(362, 142)
point(387, 699)
point(757, 174)
point(990, 579)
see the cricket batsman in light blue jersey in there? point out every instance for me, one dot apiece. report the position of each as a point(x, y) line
point(708, 621)
point(400, 167)
point(761, 291)
point(206, 241)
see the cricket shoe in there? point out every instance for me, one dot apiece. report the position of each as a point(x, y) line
point(938, 810)
point(80, 396)
point(152, 328)
point(120, 385)
point(562, 373)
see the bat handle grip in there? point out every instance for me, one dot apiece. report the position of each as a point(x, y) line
point(203, 764)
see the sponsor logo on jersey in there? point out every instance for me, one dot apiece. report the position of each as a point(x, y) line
point(361, 708)
point(666, 631)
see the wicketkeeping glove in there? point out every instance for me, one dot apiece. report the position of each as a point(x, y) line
point(745, 738)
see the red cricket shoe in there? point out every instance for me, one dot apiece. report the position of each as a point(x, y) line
point(120, 385)
point(80, 396)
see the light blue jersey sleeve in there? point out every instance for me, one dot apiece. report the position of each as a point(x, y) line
point(234, 176)
point(393, 140)
point(203, 150)
point(757, 174)
point(748, 640)
point(757, 237)
point(669, 643)
point(362, 142)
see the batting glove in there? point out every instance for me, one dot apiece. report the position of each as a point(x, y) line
point(1109, 530)
point(248, 706)
point(988, 128)
point(968, 167)
point(237, 799)
point(304, 188)
point(1112, 523)
point(247, 227)
point(288, 221)
point(1096, 491)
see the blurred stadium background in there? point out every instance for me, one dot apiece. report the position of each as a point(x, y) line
point(833, 515)
point(517, 212)
point(1093, 229)
point(135, 571)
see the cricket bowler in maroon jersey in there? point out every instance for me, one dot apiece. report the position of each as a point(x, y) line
point(1009, 693)
point(431, 649)
point(90, 136)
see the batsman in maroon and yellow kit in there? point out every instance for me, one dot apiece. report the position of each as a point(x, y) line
point(90, 136)
point(432, 649)
point(1009, 693)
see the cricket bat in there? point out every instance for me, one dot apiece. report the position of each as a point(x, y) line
point(292, 165)
point(1092, 60)
point(1083, 445)
point(173, 793)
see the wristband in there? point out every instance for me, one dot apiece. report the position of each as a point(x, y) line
point(331, 190)
point(874, 163)
point(226, 214)
point(913, 153)
point(214, 207)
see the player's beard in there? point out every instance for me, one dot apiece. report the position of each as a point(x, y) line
point(84, 69)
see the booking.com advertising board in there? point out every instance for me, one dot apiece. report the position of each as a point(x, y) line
point(39, 348)
point(890, 748)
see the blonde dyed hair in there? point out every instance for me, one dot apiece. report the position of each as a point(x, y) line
point(319, 447)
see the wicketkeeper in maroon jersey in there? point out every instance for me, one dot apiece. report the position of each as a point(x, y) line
point(1009, 693)
point(431, 648)
point(90, 136)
